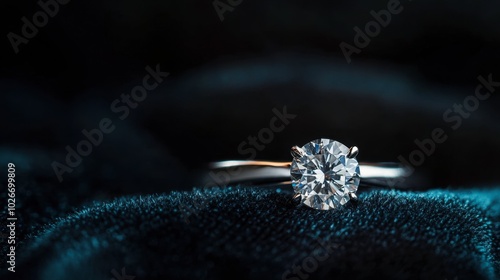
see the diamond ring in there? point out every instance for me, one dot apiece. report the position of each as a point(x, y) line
point(325, 173)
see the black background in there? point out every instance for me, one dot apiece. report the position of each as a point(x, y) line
point(227, 76)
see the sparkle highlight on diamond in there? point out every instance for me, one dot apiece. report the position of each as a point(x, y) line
point(325, 173)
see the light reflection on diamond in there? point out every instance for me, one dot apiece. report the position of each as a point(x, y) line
point(325, 176)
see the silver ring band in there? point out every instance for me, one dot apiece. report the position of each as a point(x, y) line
point(258, 172)
point(324, 173)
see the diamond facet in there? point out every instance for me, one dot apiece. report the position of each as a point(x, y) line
point(324, 175)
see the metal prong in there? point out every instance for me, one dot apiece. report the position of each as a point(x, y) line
point(297, 195)
point(297, 152)
point(353, 152)
point(353, 196)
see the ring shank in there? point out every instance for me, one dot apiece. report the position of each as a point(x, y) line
point(229, 172)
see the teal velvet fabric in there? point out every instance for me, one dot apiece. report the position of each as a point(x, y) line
point(252, 233)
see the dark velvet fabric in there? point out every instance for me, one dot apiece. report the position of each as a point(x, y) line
point(251, 233)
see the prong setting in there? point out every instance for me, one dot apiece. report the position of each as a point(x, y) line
point(297, 152)
point(296, 195)
point(353, 152)
point(353, 196)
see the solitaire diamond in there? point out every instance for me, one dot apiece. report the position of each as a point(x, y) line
point(325, 173)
